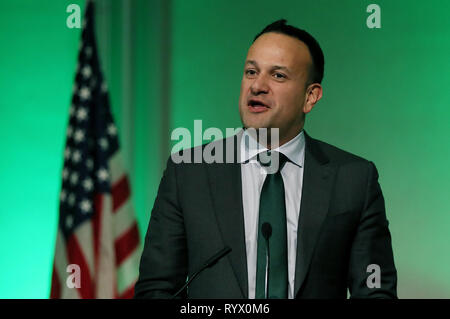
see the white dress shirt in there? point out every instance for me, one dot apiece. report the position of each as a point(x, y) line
point(253, 176)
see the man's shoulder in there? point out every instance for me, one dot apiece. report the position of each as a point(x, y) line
point(350, 165)
point(336, 154)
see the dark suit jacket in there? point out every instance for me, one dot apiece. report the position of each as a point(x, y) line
point(342, 229)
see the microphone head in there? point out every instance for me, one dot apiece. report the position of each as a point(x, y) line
point(266, 230)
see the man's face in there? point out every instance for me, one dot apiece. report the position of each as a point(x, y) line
point(275, 74)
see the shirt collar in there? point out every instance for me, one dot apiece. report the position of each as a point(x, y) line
point(294, 150)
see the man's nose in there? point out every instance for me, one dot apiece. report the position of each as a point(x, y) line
point(259, 85)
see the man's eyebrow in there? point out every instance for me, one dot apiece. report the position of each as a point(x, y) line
point(279, 67)
point(275, 67)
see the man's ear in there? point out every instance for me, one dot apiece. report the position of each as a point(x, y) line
point(313, 95)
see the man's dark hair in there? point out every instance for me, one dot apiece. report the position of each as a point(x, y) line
point(318, 61)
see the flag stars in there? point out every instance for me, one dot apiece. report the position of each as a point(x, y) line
point(71, 110)
point(79, 136)
point(74, 178)
point(69, 221)
point(102, 174)
point(112, 130)
point(88, 184)
point(103, 143)
point(88, 51)
point(69, 131)
point(65, 173)
point(85, 93)
point(76, 156)
point(71, 199)
point(85, 206)
point(63, 195)
point(67, 153)
point(86, 71)
point(82, 114)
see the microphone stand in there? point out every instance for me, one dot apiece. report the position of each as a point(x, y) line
point(211, 261)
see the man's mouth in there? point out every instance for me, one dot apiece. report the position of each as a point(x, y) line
point(257, 106)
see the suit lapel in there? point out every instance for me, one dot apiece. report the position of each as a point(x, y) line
point(317, 183)
point(226, 189)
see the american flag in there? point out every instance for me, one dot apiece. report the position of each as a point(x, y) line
point(97, 230)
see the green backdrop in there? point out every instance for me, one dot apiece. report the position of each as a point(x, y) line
point(168, 63)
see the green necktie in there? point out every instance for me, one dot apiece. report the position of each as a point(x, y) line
point(272, 210)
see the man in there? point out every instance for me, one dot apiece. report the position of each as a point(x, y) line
point(313, 229)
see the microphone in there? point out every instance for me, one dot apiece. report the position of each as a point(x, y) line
point(211, 261)
point(266, 230)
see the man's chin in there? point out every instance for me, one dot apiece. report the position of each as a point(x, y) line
point(255, 124)
point(258, 128)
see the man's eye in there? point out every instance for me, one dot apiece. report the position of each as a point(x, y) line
point(250, 72)
point(280, 75)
